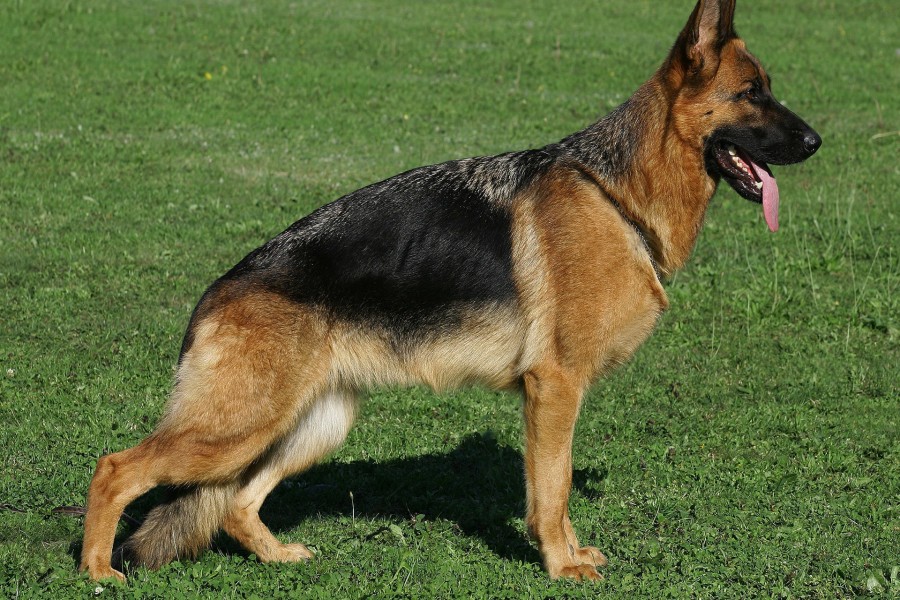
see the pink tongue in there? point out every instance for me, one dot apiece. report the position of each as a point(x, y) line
point(770, 194)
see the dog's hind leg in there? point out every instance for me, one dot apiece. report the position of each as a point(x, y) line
point(320, 431)
point(118, 479)
point(181, 458)
point(552, 400)
point(254, 367)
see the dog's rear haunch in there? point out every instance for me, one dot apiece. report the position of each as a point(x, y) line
point(536, 271)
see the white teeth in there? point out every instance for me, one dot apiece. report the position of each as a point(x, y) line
point(759, 184)
point(740, 163)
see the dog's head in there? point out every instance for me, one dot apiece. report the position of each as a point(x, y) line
point(724, 107)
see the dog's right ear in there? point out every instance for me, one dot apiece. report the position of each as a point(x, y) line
point(709, 27)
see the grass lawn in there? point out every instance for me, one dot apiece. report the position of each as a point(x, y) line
point(751, 448)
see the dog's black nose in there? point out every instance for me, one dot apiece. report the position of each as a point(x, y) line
point(811, 142)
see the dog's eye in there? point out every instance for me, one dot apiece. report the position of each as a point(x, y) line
point(751, 94)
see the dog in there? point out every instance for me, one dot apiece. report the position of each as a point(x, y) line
point(536, 271)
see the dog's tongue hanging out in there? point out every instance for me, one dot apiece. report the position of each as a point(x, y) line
point(770, 194)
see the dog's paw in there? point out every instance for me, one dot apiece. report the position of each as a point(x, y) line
point(105, 572)
point(290, 553)
point(578, 573)
point(588, 555)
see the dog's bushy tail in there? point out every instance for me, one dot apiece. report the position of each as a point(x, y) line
point(181, 527)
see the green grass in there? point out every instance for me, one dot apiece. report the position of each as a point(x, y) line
point(750, 449)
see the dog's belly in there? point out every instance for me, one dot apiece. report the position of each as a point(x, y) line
point(482, 346)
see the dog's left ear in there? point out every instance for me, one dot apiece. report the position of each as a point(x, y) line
point(710, 26)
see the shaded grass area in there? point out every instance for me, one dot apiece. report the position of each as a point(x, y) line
point(751, 448)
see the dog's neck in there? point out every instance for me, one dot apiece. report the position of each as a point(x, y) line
point(640, 162)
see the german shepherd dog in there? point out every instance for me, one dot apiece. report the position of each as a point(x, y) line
point(537, 271)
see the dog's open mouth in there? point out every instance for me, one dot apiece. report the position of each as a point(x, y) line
point(754, 181)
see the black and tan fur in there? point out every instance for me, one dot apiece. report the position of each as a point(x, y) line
point(537, 271)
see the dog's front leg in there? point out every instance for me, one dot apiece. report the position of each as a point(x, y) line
point(552, 399)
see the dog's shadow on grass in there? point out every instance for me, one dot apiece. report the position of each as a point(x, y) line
point(478, 487)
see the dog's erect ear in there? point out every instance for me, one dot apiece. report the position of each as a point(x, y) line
point(710, 26)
